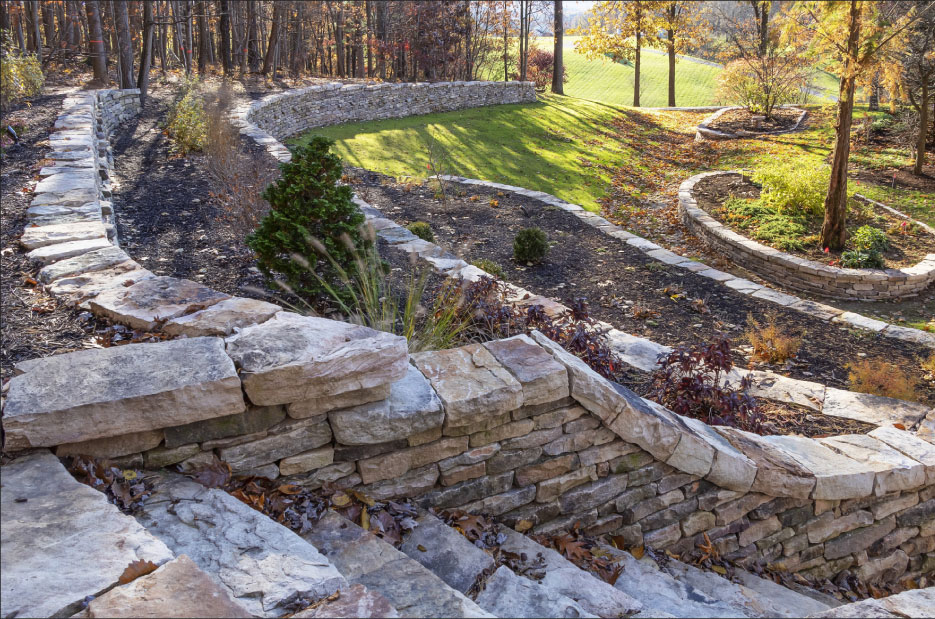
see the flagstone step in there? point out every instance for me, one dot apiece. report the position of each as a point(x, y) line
point(263, 565)
point(62, 540)
point(365, 559)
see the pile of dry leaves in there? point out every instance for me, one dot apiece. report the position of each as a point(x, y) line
point(125, 488)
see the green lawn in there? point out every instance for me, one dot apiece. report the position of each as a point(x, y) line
point(537, 145)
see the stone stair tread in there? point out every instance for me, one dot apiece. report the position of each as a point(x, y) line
point(365, 559)
point(177, 589)
point(564, 577)
point(354, 601)
point(149, 302)
point(758, 596)
point(86, 263)
point(913, 603)
point(62, 251)
point(86, 394)
point(447, 553)
point(40, 236)
point(263, 564)
point(509, 595)
point(662, 594)
point(62, 540)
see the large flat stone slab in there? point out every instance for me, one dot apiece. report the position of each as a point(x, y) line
point(290, 358)
point(445, 552)
point(177, 589)
point(912, 603)
point(62, 541)
point(509, 595)
point(97, 260)
point(777, 473)
point(894, 471)
point(908, 443)
point(150, 302)
point(112, 391)
point(471, 383)
point(61, 183)
point(836, 476)
point(60, 251)
point(543, 379)
point(222, 318)
point(411, 408)
point(79, 288)
point(40, 236)
point(355, 601)
point(875, 409)
point(259, 562)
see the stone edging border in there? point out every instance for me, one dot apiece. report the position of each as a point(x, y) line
point(704, 131)
point(802, 274)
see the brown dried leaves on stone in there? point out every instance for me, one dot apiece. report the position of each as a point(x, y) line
point(125, 488)
point(583, 552)
point(388, 521)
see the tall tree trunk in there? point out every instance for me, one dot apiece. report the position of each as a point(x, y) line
point(369, 12)
point(670, 45)
point(923, 129)
point(636, 71)
point(225, 28)
point(124, 44)
point(873, 103)
point(273, 37)
point(48, 24)
point(202, 36)
point(96, 41)
point(339, 41)
point(381, 38)
point(253, 35)
point(558, 65)
point(146, 55)
point(36, 33)
point(358, 44)
point(762, 9)
point(833, 229)
point(19, 29)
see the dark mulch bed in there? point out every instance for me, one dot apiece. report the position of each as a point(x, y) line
point(625, 287)
point(735, 121)
point(905, 250)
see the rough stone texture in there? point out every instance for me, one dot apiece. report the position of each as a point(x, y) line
point(509, 595)
point(874, 409)
point(472, 385)
point(412, 408)
point(911, 445)
point(290, 358)
point(319, 406)
point(64, 542)
point(365, 559)
point(355, 601)
point(777, 472)
point(445, 552)
point(48, 254)
point(40, 236)
point(177, 589)
point(894, 471)
point(413, 483)
point(112, 446)
point(77, 289)
point(148, 303)
point(913, 603)
point(85, 263)
point(858, 539)
point(68, 398)
point(836, 476)
point(262, 564)
point(254, 419)
point(222, 318)
point(542, 378)
point(306, 461)
point(289, 439)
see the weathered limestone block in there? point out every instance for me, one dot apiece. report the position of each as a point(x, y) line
point(593, 495)
point(79, 288)
point(871, 408)
point(553, 488)
point(472, 385)
point(355, 601)
point(320, 406)
point(468, 491)
point(65, 182)
point(501, 503)
point(911, 445)
point(777, 474)
point(290, 358)
point(97, 393)
point(858, 539)
point(261, 563)
point(48, 254)
point(286, 439)
point(254, 419)
point(222, 318)
point(112, 446)
point(509, 595)
point(177, 589)
point(446, 553)
point(543, 379)
point(545, 470)
point(836, 476)
point(150, 302)
point(912, 603)
point(730, 468)
point(894, 471)
point(97, 260)
point(306, 461)
point(40, 236)
point(412, 484)
point(167, 456)
point(411, 408)
point(62, 541)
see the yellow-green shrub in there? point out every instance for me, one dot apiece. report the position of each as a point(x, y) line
point(20, 74)
point(187, 123)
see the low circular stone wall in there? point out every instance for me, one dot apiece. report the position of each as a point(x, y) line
point(799, 273)
point(704, 131)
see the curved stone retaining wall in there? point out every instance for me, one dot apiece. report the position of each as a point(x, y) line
point(799, 273)
point(704, 131)
point(517, 428)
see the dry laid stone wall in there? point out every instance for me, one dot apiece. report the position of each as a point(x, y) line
point(704, 131)
point(799, 273)
point(517, 428)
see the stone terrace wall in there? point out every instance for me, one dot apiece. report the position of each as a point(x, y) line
point(286, 114)
point(796, 272)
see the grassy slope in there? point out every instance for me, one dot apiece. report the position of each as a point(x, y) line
point(532, 145)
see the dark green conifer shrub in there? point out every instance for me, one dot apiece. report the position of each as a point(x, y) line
point(530, 245)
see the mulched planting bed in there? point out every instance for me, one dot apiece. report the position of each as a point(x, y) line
point(734, 121)
point(907, 246)
point(624, 287)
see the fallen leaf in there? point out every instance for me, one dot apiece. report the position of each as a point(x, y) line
point(638, 552)
point(135, 570)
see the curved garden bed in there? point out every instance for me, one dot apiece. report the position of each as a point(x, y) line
point(718, 126)
point(797, 272)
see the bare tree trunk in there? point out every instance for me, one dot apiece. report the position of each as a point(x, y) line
point(636, 70)
point(19, 28)
point(225, 31)
point(339, 41)
point(670, 45)
point(381, 37)
point(146, 56)
point(833, 229)
point(369, 11)
point(202, 37)
point(923, 129)
point(96, 41)
point(873, 103)
point(124, 44)
point(558, 66)
point(36, 32)
point(358, 44)
point(273, 37)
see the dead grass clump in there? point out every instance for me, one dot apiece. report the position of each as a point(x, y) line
point(878, 377)
point(769, 342)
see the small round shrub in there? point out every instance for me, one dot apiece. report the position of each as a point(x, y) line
point(421, 230)
point(857, 259)
point(489, 266)
point(530, 245)
point(870, 239)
